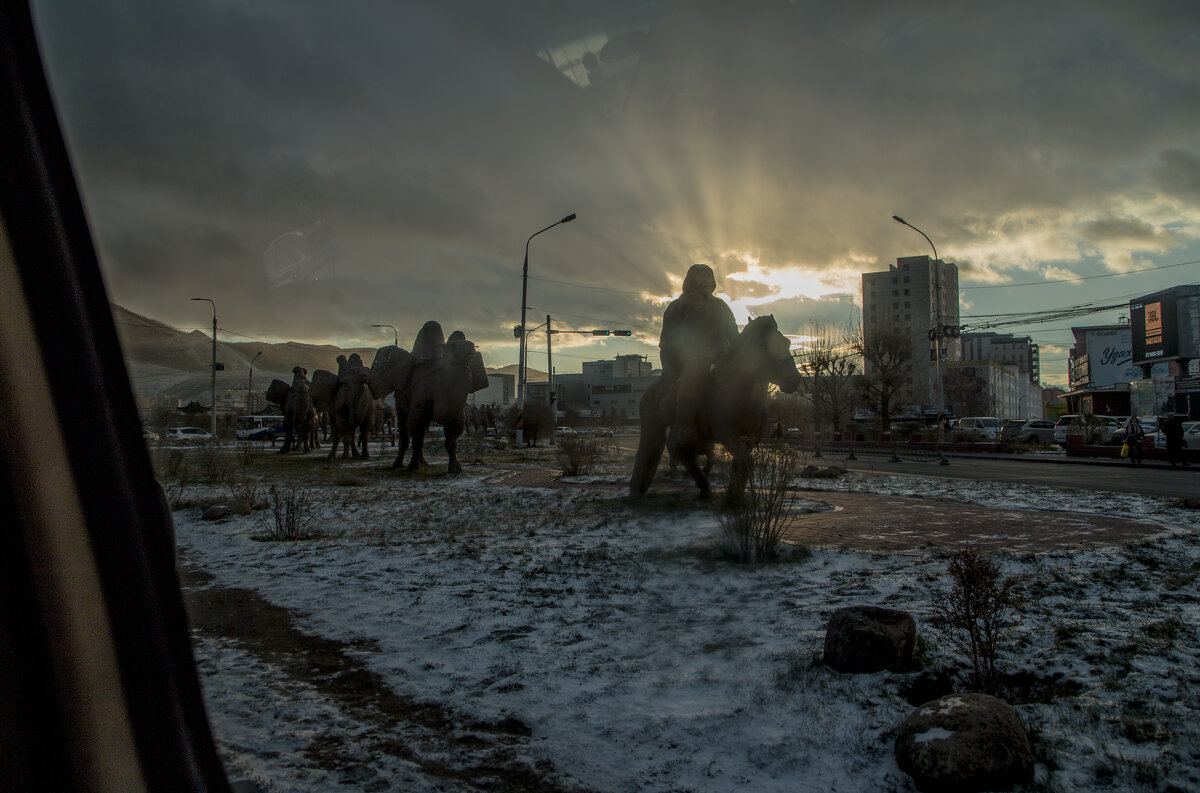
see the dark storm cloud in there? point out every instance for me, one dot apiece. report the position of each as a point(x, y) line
point(429, 140)
point(1178, 174)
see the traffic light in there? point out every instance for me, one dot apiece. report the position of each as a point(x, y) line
point(622, 333)
point(516, 331)
point(220, 367)
point(599, 333)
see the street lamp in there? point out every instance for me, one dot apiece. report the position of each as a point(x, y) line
point(938, 331)
point(521, 328)
point(250, 385)
point(395, 335)
point(212, 423)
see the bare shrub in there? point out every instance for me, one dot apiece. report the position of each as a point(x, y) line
point(291, 513)
point(175, 484)
point(211, 463)
point(753, 528)
point(246, 452)
point(244, 496)
point(579, 453)
point(167, 461)
point(975, 614)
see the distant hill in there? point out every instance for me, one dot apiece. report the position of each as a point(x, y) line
point(163, 360)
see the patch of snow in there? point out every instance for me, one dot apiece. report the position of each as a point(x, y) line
point(643, 661)
point(933, 734)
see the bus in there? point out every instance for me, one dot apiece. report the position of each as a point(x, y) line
point(259, 428)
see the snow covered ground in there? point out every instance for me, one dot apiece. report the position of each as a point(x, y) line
point(633, 656)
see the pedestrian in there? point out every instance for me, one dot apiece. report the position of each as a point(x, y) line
point(1173, 437)
point(1133, 437)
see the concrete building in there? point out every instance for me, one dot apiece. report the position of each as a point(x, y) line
point(1004, 348)
point(989, 388)
point(621, 366)
point(917, 297)
point(604, 392)
point(501, 391)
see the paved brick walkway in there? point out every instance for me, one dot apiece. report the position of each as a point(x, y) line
point(892, 524)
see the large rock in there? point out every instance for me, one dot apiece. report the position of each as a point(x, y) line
point(216, 512)
point(965, 743)
point(869, 639)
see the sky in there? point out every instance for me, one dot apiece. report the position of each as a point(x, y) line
point(316, 168)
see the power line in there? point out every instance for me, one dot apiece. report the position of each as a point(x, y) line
point(1081, 277)
point(586, 286)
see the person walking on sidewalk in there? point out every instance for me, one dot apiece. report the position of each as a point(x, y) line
point(1173, 435)
point(1133, 436)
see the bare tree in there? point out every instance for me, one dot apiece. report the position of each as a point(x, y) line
point(886, 379)
point(830, 364)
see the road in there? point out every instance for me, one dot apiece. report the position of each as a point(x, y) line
point(1150, 479)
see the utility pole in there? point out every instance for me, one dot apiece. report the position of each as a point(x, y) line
point(212, 424)
point(550, 383)
point(250, 386)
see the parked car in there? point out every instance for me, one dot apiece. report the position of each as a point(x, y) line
point(1149, 427)
point(188, 434)
point(1094, 429)
point(1191, 436)
point(149, 435)
point(980, 428)
point(600, 432)
point(565, 431)
point(1028, 431)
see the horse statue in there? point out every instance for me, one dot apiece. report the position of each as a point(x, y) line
point(733, 410)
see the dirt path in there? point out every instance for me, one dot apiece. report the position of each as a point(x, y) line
point(468, 754)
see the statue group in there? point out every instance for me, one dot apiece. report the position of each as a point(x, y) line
point(430, 383)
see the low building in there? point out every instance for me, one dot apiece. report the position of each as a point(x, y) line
point(501, 391)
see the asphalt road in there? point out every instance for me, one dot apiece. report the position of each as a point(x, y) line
point(1150, 479)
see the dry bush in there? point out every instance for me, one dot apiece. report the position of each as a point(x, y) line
point(290, 513)
point(175, 484)
point(211, 463)
point(753, 528)
point(244, 496)
point(975, 614)
point(580, 453)
point(246, 452)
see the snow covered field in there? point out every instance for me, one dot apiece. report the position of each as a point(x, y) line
point(619, 650)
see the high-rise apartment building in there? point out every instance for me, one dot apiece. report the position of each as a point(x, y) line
point(1005, 348)
point(916, 297)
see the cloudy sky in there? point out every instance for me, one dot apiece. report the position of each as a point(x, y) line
point(316, 168)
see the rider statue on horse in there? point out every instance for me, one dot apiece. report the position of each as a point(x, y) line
point(697, 328)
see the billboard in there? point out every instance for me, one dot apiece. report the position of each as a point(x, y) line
point(1165, 325)
point(1110, 357)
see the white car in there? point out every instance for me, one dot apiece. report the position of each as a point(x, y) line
point(1191, 436)
point(188, 434)
point(981, 428)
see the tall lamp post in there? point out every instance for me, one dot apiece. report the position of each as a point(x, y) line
point(212, 423)
point(520, 330)
point(395, 335)
point(250, 385)
point(938, 331)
